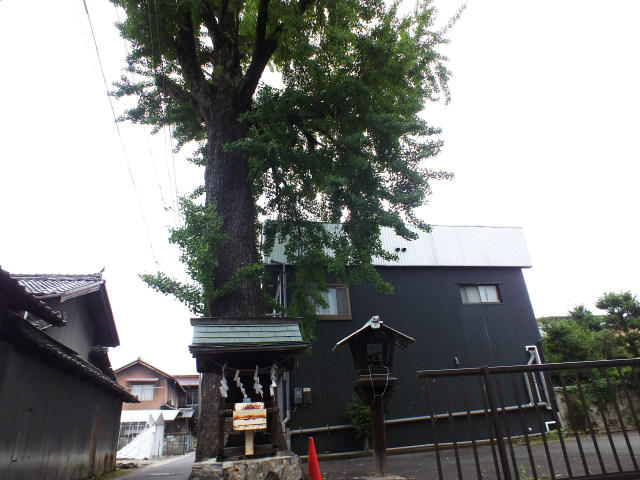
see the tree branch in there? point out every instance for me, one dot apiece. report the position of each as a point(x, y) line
point(187, 57)
point(175, 91)
point(211, 22)
point(263, 50)
point(261, 22)
point(303, 5)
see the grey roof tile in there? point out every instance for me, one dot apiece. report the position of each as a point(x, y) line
point(22, 299)
point(58, 284)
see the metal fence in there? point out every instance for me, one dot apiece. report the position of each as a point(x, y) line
point(551, 421)
point(178, 443)
point(129, 431)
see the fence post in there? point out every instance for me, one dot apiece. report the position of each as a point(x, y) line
point(495, 420)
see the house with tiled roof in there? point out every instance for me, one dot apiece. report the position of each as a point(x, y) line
point(59, 401)
point(191, 385)
point(154, 388)
point(159, 393)
point(84, 302)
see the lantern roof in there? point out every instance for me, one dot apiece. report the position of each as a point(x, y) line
point(378, 329)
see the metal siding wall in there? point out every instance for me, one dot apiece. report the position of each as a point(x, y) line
point(79, 333)
point(426, 306)
point(331, 377)
point(47, 417)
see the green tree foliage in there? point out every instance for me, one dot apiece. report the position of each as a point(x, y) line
point(585, 318)
point(341, 141)
point(584, 336)
point(197, 240)
point(566, 340)
point(623, 318)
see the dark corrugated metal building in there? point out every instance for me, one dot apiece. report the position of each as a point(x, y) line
point(459, 291)
point(59, 408)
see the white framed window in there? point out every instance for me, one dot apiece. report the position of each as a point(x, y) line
point(338, 304)
point(143, 392)
point(489, 293)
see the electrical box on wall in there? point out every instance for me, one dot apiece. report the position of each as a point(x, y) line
point(297, 395)
point(301, 395)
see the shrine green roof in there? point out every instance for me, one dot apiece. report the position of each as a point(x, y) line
point(245, 332)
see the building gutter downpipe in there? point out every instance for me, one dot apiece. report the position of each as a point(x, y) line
point(287, 400)
point(535, 358)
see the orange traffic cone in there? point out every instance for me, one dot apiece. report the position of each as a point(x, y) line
point(314, 466)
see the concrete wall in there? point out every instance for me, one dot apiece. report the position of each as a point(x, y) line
point(55, 423)
point(595, 417)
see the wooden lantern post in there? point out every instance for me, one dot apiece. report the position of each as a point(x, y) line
point(372, 351)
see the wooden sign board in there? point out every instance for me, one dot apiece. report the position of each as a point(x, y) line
point(249, 416)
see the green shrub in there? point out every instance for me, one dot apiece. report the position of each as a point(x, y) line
point(576, 410)
point(360, 417)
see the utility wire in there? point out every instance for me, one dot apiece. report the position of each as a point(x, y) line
point(175, 208)
point(162, 70)
point(146, 133)
point(115, 120)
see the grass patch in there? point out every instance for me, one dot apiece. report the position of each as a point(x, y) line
point(112, 474)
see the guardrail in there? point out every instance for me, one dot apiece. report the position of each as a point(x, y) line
point(506, 422)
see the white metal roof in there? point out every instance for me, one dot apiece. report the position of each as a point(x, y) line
point(449, 246)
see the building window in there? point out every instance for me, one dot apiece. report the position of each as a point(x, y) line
point(480, 294)
point(192, 397)
point(339, 307)
point(143, 392)
point(129, 431)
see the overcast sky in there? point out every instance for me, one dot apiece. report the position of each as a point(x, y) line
point(541, 133)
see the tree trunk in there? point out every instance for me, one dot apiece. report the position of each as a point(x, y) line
point(227, 188)
point(209, 419)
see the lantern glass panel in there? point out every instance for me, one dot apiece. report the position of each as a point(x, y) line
point(375, 354)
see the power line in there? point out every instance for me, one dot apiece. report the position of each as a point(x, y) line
point(166, 103)
point(176, 209)
point(146, 133)
point(115, 120)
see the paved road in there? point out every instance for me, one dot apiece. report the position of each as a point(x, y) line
point(423, 465)
point(175, 468)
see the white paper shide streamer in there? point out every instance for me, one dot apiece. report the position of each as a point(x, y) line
point(274, 384)
point(256, 386)
point(239, 383)
point(224, 387)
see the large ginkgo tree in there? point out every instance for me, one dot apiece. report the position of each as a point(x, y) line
point(336, 139)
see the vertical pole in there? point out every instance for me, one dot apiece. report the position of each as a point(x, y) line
point(495, 420)
point(248, 442)
point(379, 437)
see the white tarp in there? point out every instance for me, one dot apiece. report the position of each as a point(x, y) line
point(148, 443)
point(143, 415)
